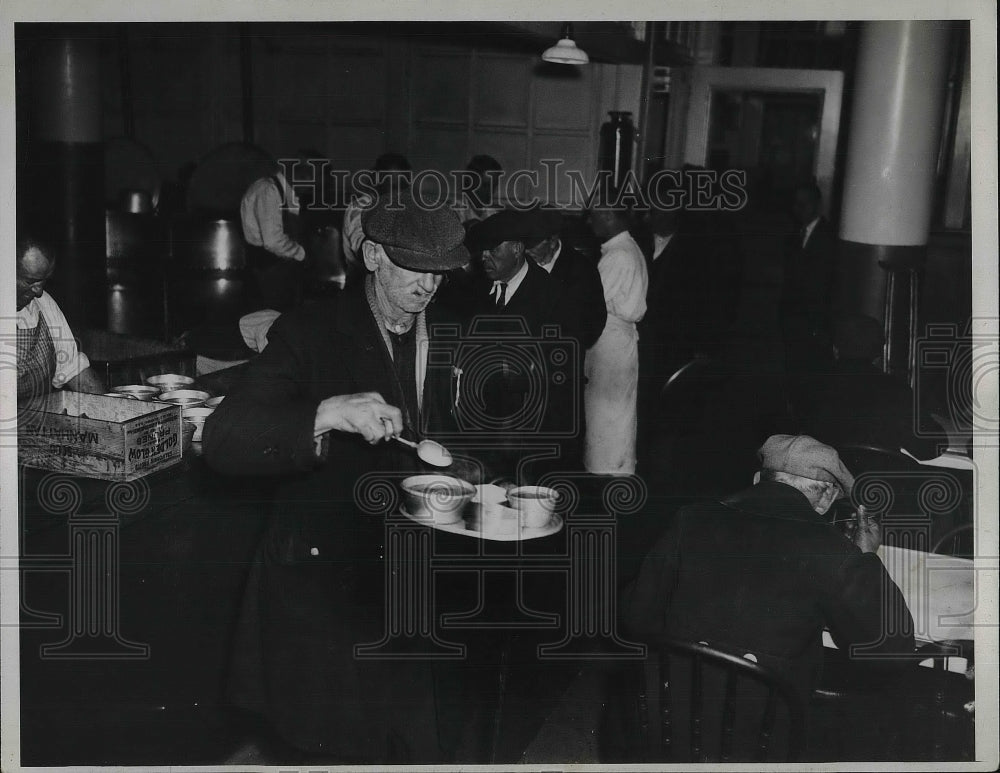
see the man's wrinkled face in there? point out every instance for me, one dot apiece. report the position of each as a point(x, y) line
point(502, 262)
point(33, 270)
point(407, 291)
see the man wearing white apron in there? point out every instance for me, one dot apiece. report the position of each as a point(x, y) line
point(47, 354)
point(612, 364)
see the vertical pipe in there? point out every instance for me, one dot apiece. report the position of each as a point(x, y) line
point(896, 121)
point(246, 82)
point(125, 75)
point(62, 189)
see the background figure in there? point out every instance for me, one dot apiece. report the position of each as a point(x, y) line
point(508, 302)
point(352, 234)
point(805, 310)
point(856, 403)
point(270, 215)
point(763, 572)
point(353, 370)
point(583, 293)
point(47, 355)
point(612, 364)
point(484, 201)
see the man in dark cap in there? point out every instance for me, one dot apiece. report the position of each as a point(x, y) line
point(509, 299)
point(855, 403)
point(763, 572)
point(318, 406)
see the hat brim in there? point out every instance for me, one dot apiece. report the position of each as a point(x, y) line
point(426, 262)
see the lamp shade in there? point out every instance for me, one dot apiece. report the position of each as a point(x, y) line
point(565, 51)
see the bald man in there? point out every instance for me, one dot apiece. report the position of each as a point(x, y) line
point(47, 354)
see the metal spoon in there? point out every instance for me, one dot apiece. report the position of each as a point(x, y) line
point(429, 451)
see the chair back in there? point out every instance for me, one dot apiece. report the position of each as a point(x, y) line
point(687, 394)
point(748, 687)
point(956, 542)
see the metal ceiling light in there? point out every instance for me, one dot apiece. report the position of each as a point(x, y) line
point(565, 51)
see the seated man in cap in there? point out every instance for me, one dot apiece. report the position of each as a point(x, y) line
point(856, 403)
point(509, 299)
point(318, 407)
point(763, 572)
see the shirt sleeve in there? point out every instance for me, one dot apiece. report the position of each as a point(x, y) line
point(353, 234)
point(266, 208)
point(624, 288)
point(70, 361)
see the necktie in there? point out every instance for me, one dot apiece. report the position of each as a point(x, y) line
point(501, 288)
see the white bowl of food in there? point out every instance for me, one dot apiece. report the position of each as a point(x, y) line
point(185, 398)
point(196, 416)
point(137, 392)
point(170, 382)
point(536, 504)
point(440, 497)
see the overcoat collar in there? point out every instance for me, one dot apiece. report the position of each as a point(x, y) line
point(771, 499)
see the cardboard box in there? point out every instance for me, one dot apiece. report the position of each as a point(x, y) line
point(94, 436)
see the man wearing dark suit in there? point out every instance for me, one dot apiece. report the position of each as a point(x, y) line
point(763, 572)
point(522, 312)
point(578, 277)
point(317, 408)
point(805, 310)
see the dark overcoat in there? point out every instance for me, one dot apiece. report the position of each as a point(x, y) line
point(316, 590)
point(761, 572)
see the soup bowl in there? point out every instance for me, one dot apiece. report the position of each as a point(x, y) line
point(196, 416)
point(536, 504)
point(137, 392)
point(185, 398)
point(440, 497)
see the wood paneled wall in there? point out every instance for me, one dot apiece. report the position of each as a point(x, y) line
point(356, 96)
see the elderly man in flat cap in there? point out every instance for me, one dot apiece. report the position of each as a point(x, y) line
point(352, 372)
point(763, 572)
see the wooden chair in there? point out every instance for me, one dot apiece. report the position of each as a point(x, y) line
point(956, 542)
point(739, 672)
point(948, 712)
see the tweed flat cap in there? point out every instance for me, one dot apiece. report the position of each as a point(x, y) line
point(416, 237)
point(805, 456)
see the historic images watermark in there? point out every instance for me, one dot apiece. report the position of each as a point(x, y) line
point(583, 565)
point(91, 629)
point(698, 190)
point(955, 369)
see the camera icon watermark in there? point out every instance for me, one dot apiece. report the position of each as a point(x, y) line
point(956, 377)
point(507, 382)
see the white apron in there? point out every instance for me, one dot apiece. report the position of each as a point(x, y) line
point(612, 370)
point(612, 364)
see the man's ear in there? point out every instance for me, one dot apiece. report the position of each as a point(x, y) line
point(372, 254)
